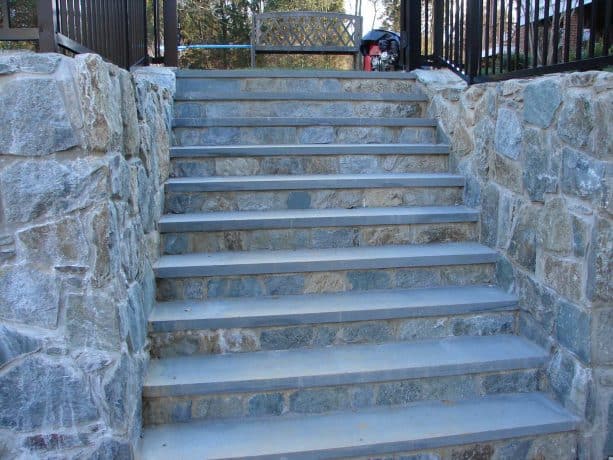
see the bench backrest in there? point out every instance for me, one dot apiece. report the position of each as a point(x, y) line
point(306, 32)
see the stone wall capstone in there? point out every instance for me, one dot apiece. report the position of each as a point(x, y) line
point(538, 159)
point(84, 153)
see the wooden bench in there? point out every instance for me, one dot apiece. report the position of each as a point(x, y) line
point(306, 32)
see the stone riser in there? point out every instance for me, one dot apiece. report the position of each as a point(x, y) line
point(229, 135)
point(320, 282)
point(214, 109)
point(317, 238)
point(204, 86)
point(342, 397)
point(559, 446)
point(242, 340)
point(189, 202)
point(337, 164)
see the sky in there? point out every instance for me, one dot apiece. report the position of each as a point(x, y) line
point(368, 13)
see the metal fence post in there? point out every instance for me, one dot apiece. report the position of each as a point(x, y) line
point(47, 26)
point(171, 34)
point(438, 16)
point(410, 34)
point(474, 25)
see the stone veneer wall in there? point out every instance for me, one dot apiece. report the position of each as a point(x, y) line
point(538, 157)
point(83, 156)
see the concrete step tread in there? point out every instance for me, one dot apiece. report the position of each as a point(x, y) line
point(348, 364)
point(286, 73)
point(251, 122)
point(313, 181)
point(228, 313)
point(304, 218)
point(327, 96)
point(300, 260)
point(424, 425)
point(308, 149)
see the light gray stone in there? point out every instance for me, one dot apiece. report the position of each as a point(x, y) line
point(566, 276)
point(537, 299)
point(555, 231)
point(583, 176)
point(266, 404)
point(508, 134)
point(50, 188)
point(286, 338)
point(28, 62)
point(318, 400)
point(64, 242)
point(15, 343)
point(541, 165)
point(93, 321)
point(317, 135)
point(522, 248)
point(29, 296)
point(602, 323)
point(68, 401)
point(600, 263)
point(573, 329)
point(35, 126)
point(576, 121)
point(569, 381)
point(489, 215)
point(541, 100)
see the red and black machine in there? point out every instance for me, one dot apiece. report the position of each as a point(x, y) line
point(381, 50)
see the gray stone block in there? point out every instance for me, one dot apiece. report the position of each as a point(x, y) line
point(541, 165)
point(511, 382)
point(284, 285)
point(576, 121)
point(318, 400)
point(537, 299)
point(317, 135)
point(51, 188)
point(35, 126)
point(508, 134)
point(67, 400)
point(298, 200)
point(583, 176)
point(600, 263)
point(266, 404)
point(362, 280)
point(573, 329)
point(233, 287)
point(555, 231)
point(602, 323)
point(522, 248)
point(541, 101)
point(29, 296)
point(286, 338)
point(489, 215)
point(14, 343)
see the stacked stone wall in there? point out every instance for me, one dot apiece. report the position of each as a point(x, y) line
point(83, 156)
point(538, 158)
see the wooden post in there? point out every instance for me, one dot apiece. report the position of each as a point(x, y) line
point(47, 26)
point(171, 34)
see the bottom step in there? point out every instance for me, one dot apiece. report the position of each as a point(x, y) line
point(421, 426)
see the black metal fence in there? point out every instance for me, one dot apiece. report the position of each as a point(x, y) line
point(486, 40)
point(115, 29)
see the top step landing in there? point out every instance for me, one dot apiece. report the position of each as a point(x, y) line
point(286, 73)
point(234, 82)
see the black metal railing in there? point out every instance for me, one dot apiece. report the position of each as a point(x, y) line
point(115, 29)
point(486, 40)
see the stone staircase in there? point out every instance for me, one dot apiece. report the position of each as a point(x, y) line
point(322, 293)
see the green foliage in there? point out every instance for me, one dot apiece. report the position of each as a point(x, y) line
point(390, 16)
